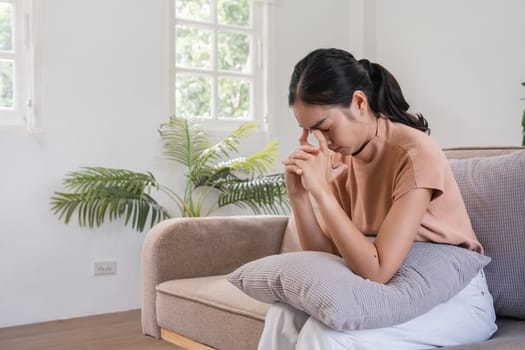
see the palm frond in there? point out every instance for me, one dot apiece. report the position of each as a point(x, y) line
point(262, 194)
point(255, 164)
point(95, 177)
point(228, 145)
point(99, 193)
point(184, 140)
point(213, 177)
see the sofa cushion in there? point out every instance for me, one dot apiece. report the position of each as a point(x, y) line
point(215, 291)
point(493, 189)
point(322, 285)
point(510, 336)
point(210, 310)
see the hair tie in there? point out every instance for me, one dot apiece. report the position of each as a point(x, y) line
point(369, 66)
point(366, 64)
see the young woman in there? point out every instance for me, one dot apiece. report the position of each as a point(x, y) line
point(375, 172)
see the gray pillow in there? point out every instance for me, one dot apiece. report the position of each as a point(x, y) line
point(322, 285)
point(493, 189)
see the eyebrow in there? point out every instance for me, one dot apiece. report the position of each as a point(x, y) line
point(316, 125)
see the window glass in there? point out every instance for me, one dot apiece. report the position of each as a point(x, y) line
point(6, 84)
point(193, 47)
point(6, 26)
point(197, 10)
point(234, 51)
point(234, 98)
point(193, 96)
point(234, 12)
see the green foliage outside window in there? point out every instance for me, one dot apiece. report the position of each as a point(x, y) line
point(6, 84)
point(6, 65)
point(6, 27)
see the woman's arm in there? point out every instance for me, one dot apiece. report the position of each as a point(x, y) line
point(380, 260)
point(309, 231)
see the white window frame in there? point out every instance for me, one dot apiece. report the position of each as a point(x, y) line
point(21, 115)
point(257, 74)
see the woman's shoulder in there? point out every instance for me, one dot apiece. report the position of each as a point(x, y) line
point(414, 143)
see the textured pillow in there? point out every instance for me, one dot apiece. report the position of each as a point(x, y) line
point(322, 285)
point(493, 189)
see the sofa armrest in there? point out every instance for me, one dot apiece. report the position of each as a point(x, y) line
point(195, 247)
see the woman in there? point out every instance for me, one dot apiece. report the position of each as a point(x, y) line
point(375, 172)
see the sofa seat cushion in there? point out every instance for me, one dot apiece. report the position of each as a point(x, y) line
point(510, 336)
point(209, 310)
point(216, 292)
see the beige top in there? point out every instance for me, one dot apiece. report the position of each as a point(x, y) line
point(398, 159)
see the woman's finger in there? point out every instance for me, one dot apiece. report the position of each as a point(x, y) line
point(293, 169)
point(309, 148)
point(303, 139)
point(300, 154)
point(292, 161)
point(321, 139)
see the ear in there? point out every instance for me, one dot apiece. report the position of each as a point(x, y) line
point(360, 101)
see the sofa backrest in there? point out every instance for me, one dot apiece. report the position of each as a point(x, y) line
point(493, 189)
point(470, 152)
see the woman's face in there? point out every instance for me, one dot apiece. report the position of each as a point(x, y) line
point(346, 129)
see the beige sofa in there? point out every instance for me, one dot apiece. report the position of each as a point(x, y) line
point(187, 300)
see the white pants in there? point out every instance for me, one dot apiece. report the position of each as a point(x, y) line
point(467, 317)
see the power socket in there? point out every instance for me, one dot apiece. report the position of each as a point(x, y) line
point(105, 268)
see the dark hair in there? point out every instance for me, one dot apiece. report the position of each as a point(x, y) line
point(330, 77)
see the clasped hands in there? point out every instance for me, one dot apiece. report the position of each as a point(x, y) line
point(309, 168)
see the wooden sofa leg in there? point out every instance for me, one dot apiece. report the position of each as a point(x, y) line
point(182, 341)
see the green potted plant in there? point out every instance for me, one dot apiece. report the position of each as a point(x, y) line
point(214, 171)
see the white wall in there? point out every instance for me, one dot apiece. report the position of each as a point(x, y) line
point(101, 72)
point(460, 63)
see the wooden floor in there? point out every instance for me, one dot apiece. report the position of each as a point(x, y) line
point(116, 331)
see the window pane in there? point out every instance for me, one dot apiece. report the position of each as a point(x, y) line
point(236, 12)
point(192, 96)
point(193, 47)
point(234, 51)
point(6, 26)
point(234, 98)
point(197, 10)
point(6, 84)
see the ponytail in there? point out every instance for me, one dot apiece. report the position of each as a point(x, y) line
point(330, 77)
point(389, 99)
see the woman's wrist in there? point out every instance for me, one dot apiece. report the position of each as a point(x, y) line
point(321, 193)
point(299, 197)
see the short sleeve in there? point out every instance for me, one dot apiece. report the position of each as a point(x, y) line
point(424, 166)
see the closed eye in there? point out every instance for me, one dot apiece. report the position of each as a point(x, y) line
point(321, 130)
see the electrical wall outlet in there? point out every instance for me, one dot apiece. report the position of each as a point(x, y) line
point(105, 267)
